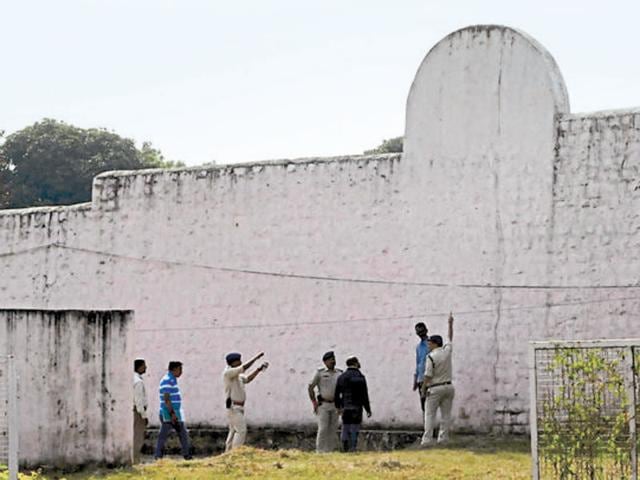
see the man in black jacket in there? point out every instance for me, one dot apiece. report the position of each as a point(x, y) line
point(350, 398)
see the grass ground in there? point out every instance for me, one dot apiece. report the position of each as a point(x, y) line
point(502, 460)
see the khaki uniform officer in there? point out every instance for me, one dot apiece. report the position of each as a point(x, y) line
point(234, 381)
point(438, 387)
point(323, 404)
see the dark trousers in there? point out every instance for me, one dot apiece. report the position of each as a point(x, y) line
point(422, 399)
point(183, 434)
point(349, 436)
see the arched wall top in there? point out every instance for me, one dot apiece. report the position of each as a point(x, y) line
point(478, 80)
point(556, 80)
point(479, 149)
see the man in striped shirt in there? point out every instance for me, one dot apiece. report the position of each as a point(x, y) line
point(171, 411)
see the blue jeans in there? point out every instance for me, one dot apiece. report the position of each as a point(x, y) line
point(349, 436)
point(183, 434)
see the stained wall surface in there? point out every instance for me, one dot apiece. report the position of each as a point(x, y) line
point(74, 385)
point(499, 186)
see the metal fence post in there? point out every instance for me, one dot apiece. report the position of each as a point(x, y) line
point(13, 419)
point(630, 380)
point(533, 413)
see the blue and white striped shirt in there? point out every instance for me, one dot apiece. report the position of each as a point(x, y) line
point(169, 384)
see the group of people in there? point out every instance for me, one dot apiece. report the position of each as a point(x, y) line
point(334, 395)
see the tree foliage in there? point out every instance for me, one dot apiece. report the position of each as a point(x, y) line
point(53, 163)
point(392, 145)
point(153, 158)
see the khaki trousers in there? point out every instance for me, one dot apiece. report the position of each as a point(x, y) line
point(139, 427)
point(327, 417)
point(440, 397)
point(237, 428)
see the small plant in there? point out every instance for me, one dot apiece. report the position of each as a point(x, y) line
point(584, 425)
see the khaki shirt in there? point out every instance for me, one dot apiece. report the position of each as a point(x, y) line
point(439, 365)
point(326, 380)
point(234, 381)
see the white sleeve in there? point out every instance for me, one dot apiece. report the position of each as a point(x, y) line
point(315, 380)
point(232, 373)
point(428, 371)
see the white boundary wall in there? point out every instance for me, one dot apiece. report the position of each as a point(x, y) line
point(499, 184)
point(9, 440)
point(73, 373)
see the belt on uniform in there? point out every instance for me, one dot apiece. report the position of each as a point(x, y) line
point(438, 384)
point(239, 404)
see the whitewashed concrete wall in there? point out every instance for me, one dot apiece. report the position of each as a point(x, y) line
point(74, 393)
point(480, 138)
point(477, 198)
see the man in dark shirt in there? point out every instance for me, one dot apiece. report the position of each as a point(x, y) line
point(350, 398)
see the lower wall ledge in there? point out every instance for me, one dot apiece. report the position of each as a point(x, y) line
point(211, 440)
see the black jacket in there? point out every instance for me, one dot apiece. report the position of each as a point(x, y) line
point(352, 395)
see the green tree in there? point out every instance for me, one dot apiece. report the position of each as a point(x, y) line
point(392, 145)
point(153, 158)
point(53, 163)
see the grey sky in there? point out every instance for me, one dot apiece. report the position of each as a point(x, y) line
point(259, 79)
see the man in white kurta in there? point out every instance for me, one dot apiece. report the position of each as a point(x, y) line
point(140, 407)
